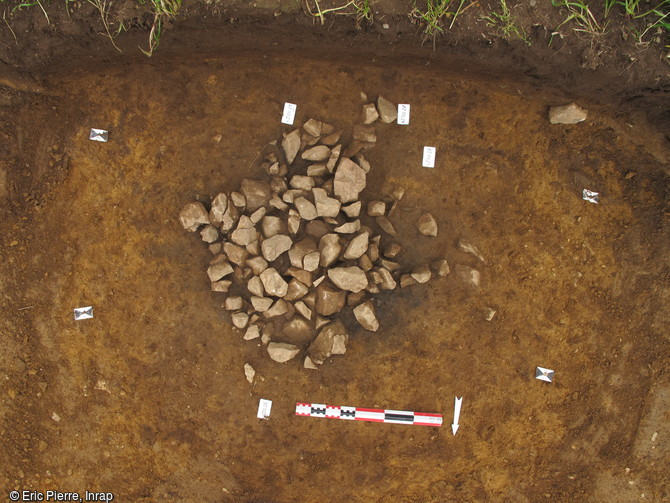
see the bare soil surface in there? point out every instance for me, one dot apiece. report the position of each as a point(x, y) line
point(149, 400)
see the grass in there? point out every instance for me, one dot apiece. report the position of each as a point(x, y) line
point(505, 24)
point(581, 16)
point(435, 15)
point(103, 8)
point(164, 10)
point(360, 9)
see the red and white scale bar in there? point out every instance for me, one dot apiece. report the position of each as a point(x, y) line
point(373, 415)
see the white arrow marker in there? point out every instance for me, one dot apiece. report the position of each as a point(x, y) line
point(457, 413)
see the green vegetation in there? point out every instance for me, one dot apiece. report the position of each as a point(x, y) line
point(505, 23)
point(163, 10)
point(360, 9)
point(580, 14)
point(436, 13)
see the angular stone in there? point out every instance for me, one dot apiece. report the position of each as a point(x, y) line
point(271, 226)
point(388, 112)
point(317, 154)
point(229, 218)
point(334, 157)
point(240, 320)
point(313, 127)
point(392, 250)
point(332, 339)
point(332, 138)
point(221, 286)
point(303, 310)
point(467, 247)
point(291, 145)
point(219, 207)
point(567, 114)
point(261, 304)
point(282, 352)
point(330, 249)
point(317, 169)
point(215, 248)
point(427, 225)
point(373, 251)
point(249, 373)
point(256, 192)
point(365, 263)
point(352, 279)
point(310, 299)
point(387, 281)
point(307, 140)
point(244, 236)
point(253, 332)
point(389, 265)
point(254, 248)
point(329, 300)
point(365, 315)
point(236, 254)
point(325, 206)
point(365, 134)
point(276, 245)
point(317, 229)
point(386, 225)
point(257, 264)
point(218, 270)
point(209, 233)
point(255, 286)
point(268, 333)
point(279, 308)
point(296, 290)
point(302, 182)
point(193, 215)
point(293, 221)
point(276, 202)
point(363, 163)
point(349, 181)
point(301, 275)
point(348, 227)
point(357, 246)
point(305, 208)
point(468, 274)
point(369, 113)
point(311, 261)
point(237, 199)
point(257, 215)
point(309, 364)
point(245, 222)
point(299, 250)
point(297, 331)
point(273, 283)
point(352, 210)
point(233, 303)
point(278, 184)
point(407, 280)
point(421, 274)
point(318, 280)
point(440, 267)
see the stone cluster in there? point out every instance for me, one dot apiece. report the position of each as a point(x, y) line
point(291, 251)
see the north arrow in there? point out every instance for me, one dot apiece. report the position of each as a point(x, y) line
point(457, 413)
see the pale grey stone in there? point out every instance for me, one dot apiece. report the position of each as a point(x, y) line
point(365, 315)
point(276, 245)
point(313, 127)
point(209, 233)
point(325, 206)
point(386, 225)
point(236, 254)
point(257, 264)
point(352, 210)
point(271, 226)
point(253, 332)
point(376, 208)
point(334, 157)
point(244, 236)
point(219, 270)
point(249, 373)
point(357, 246)
point(348, 227)
point(273, 283)
point(311, 261)
point(369, 113)
point(305, 208)
point(256, 192)
point(240, 320)
point(233, 303)
point(388, 112)
point(567, 114)
point(261, 304)
point(333, 334)
point(349, 181)
point(440, 267)
point(291, 145)
point(329, 300)
point(318, 153)
point(193, 215)
point(302, 182)
point(219, 207)
point(352, 279)
point(330, 249)
point(421, 274)
point(427, 225)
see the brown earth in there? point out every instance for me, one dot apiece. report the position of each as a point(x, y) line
point(149, 400)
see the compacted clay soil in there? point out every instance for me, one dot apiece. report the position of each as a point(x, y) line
point(148, 400)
